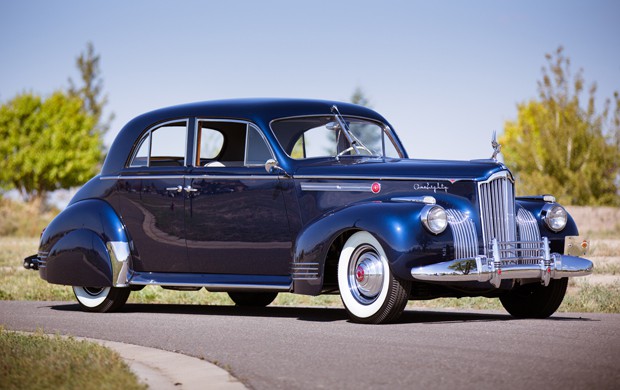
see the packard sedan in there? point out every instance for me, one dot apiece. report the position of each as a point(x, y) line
point(256, 197)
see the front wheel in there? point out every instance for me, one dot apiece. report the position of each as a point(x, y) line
point(535, 300)
point(369, 291)
point(101, 299)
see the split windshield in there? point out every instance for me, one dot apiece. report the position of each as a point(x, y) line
point(334, 136)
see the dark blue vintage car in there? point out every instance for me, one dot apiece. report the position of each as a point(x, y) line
point(260, 196)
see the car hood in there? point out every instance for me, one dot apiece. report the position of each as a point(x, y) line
point(406, 169)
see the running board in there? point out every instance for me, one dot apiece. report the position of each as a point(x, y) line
point(213, 282)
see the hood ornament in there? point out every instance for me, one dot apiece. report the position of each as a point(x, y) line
point(497, 147)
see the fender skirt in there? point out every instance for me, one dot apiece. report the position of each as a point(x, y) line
point(80, 258)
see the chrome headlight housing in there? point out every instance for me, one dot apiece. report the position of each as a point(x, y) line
point(555, 216)
point(434, 218)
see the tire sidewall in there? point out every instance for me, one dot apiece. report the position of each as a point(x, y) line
point(354, 307)
point(89, 300)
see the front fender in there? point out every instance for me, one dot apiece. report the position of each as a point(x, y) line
point(85, 245)
point(556, 239)
point(396, 225)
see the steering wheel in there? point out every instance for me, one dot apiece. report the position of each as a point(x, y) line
point(350, 148)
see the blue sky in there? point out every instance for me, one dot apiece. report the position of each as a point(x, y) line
point(444, 73)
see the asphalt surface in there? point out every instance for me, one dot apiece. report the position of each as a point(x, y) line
point(287, 348)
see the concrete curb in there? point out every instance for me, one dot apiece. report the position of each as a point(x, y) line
point(163, 370)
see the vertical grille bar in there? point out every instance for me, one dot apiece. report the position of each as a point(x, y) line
point(528, 231)
point(497, 209)
point(463, 233)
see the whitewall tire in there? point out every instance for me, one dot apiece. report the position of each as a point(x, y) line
point(101, 299)
point(369, 290)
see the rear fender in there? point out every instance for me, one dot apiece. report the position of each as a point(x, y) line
point(86, 245)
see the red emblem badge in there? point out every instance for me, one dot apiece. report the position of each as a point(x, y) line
point(375, 188)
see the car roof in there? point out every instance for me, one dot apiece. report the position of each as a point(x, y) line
point(260, 111)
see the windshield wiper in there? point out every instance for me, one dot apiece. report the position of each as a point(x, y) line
point(355, 143)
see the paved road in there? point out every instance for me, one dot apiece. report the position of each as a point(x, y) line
point(288, 348)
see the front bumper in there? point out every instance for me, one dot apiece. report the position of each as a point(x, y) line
point(507, 260)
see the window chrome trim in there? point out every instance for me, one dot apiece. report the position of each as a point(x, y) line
point(148, 133)
point(386, 130)
point(247, 136)
point(245, 152)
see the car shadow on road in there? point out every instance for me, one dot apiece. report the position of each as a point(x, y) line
point(318, 314)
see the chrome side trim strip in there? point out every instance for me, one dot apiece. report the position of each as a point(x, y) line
point(416, 199)
point(233, 177)
point(376, 178)
point(221, 177)
point(143, 177)
point(336, 187)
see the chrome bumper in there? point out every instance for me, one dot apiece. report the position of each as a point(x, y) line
point(508, 260)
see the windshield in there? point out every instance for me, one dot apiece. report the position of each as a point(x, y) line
point(324, 136)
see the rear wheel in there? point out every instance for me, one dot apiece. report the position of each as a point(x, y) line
point(256, 299)
point(101, 299)
point(535, 300)
point(369, 291)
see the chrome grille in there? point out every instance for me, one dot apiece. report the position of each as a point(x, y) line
point(497, 209)
point(463, 233)
point(527, 228)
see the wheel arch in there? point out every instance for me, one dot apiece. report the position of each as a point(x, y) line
point(317, 247)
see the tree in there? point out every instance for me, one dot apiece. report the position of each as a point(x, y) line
point(557, 145)
point(90, 92)
point(360, 98)
point(47, 144)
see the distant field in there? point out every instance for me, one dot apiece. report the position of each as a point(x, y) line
point(599, 292)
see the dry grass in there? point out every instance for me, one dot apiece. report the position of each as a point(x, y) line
point(21, 219)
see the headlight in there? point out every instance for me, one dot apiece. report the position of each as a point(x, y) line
point(554, 216)
point(434, 218)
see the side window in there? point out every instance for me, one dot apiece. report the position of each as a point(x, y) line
point(229, 144)
point(163, 146)
point(256, 150)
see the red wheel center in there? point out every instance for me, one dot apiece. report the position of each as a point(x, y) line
point(359, 273)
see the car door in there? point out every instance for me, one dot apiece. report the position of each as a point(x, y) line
point(236, 219)
point(152, 196)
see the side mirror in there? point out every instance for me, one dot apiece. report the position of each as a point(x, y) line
point(271, 166)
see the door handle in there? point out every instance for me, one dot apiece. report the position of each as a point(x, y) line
point(177, 188)
point(189, 189)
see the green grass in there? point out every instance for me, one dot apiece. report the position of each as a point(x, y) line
point(17, 283)
point(37, 361)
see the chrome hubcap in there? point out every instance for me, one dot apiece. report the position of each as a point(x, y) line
point(365, 274)
point(94, 291)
